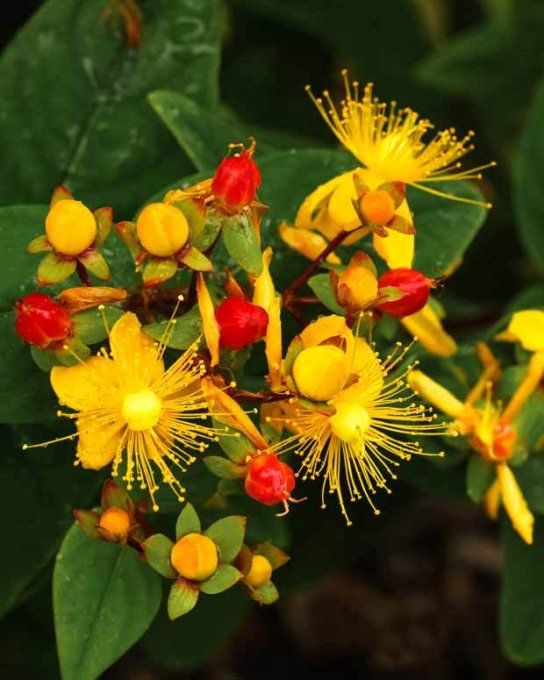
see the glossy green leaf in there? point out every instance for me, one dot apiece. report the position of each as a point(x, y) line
point(242, 243)
point(157, 550)
point(95, 131)
point(89, 325)
point(224, 468)
point(480, 476)
point(225, 577)
point(320, 284)
point(104, 598)
point(235, 444)
point(530, 477)
point(182, 598)
point(228, 534)
point(188, 522)
point(187, 329)
point(522, 596)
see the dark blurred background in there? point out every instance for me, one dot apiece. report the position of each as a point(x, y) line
point(421, 600)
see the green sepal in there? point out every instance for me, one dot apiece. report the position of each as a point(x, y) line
point(196, 260)
point(479, 477)
point(274, 555)
point(182, 598)
point(104, 221)
point(401, 225)
point(321, 286)
point(294, 349)
point(73, 353)
point(228, 535)
point(188, 522)
point(234, 444)
point(187, 329)
point(242, 244)
point(209, 233)
point(40, 244)
point(265, 594)
point(157, 271)
point(194, 210)
point(95, 263)
point(397, 191)
point(390, 294)
point(157, 551)
point(224, 578)
point(88, 522)
point(115, 496)
point(89, 325)
point(127, 233)
point(55, 268)
point(45, 358)
point(224, 468)
point(60, 193)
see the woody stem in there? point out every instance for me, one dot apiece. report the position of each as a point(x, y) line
point(82, 273)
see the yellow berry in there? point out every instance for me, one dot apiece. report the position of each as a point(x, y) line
point(70, 227)
point(259, 572)
point(115, 521)
point(194, 557)
point(162, 229)
point(320, 372)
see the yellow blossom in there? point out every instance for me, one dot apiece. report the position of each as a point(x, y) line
point(366, 421)
point(527, 328)
point(130, 410)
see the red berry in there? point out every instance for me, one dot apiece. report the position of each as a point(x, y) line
point(269, 481)
point(413, 284)
point(236, 181)
point(41, 321)
point(241, 322)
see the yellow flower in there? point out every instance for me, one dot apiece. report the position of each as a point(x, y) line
point(390, 143)
point(527, 328)
point(130, 409)
point(364, 423)
point(489, 429)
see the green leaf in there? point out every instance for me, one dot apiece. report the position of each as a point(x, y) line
point(480, 476)
point(54, 268)
point(225, 577)
point(89, 325)
point(44, 358)
point(228, 535)
point(188, 522)
point(182, 598)
point(189, 642)
point(96, 132)
point(527, 169)
point(104, 599)
point(40, 488)
point(320, 284)
point(530, 477)
point(242, 243)
point(235, 444)
point(522, 596)
point(196, 260)
point(157, 550)
point(186, 330)
point(224, 468)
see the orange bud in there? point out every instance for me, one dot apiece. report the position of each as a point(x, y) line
point(194, 557)
point(115, 521)
point(377, 207)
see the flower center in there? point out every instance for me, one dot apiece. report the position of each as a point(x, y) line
point(141, 410)
point(320, 372)
point(349, 422)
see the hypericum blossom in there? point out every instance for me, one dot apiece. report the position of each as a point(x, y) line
point(133, 412)
point(353, 418)
point(490, 429)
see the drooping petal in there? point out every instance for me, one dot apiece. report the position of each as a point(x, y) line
point(88, 385)
point(209, 322)
point(98, 444)
point(492, 500)
point(515, 504)
point(273, 344)
point(263, 289)
point(314, 202)
point(527, 328)
point(435, 394)
point(532, 379)
point(135, 353)
point(308, 243)
point(427, 328)
point(396, 249)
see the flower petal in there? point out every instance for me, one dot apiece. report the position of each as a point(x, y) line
point(515, 504)
point(527, 327)
point(88, 385)
point(209, 322)
point(427, 328)
point(135, 353)
point(97, 444)
point(324, 328)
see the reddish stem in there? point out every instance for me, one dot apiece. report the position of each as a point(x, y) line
point(82, 273)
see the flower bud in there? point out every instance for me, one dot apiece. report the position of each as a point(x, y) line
point(259, 573)
point(194, 557)
point(320, 372)
point(377, 207)
point(162, 229)
point(269, 481)
point(70, 227)
point(413, 288)
point(115, 521)
point(236, 181)
point(357, 286)
point(241, 322)
point(41, 321)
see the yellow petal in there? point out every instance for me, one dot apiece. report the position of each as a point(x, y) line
point(227, 411)
point(273, 346)
point(264, 293)
point(306, 215)
point(324, 328)
point(427, 328)
point(209, 322)
point(527, 327)
point(97, 444)
point(306, 242)
point(396, 249)
point(340, 207)
point(521, 517)
point(492, 500)
point(135, 353)
point(531, 380)
point(435, 394)
point(88, 385)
